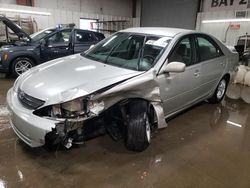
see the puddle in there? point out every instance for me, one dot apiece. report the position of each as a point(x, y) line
point(4, 127)
point(4, 110)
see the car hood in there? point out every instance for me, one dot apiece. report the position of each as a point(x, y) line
point(18, 46)
point(70, 77)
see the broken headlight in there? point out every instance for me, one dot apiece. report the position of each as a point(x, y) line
point(95, 107)
point(77, 107)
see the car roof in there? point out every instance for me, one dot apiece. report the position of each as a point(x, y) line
point(164, 31)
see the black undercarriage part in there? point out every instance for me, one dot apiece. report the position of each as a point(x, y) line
point(64, 134)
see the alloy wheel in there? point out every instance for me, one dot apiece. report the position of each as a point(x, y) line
point(221, 89)
point(22, 66)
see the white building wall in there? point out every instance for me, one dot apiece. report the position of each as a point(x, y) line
point(222, 30)
point(7, 1)
point(70, 11)
point(106, 7)
point(72, 5)
point(221, 5)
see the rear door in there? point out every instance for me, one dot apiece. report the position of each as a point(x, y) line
point(83, 40)
point(212, 62)
point(57, 45)
point(178, 90)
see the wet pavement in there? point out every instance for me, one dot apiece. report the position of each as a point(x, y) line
point(206, 146)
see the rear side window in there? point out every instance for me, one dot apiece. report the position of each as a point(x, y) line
point(84, 36)
point(207, 49)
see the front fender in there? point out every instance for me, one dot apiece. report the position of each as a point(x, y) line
point(33, 54)
point(142, 87)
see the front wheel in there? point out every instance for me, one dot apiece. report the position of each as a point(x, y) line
point(220, 91)
point(21, 65)
point(138, 127)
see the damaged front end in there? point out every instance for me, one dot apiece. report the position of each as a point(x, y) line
point(73, 119)
point(105, 110)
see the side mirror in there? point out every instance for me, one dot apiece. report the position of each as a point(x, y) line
point(174, 67)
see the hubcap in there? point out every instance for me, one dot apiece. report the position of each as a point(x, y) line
point(22, 66)
point(221, 89)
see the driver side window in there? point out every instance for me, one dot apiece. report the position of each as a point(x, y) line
point(62, 37)
point(183, 52)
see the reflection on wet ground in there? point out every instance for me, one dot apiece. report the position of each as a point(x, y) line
point(207, 146)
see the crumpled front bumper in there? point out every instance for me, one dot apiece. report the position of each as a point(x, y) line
point(27, 126)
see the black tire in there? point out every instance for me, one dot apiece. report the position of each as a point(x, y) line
point(215, 98)
point(17, 62)
point(138, 127)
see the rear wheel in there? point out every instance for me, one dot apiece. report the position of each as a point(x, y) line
point(220, 91)
point(21, 65)
point(138, 135)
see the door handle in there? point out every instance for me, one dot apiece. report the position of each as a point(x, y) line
point(196, 73)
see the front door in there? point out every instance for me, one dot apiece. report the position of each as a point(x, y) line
point(179, 90)
point(57, 45)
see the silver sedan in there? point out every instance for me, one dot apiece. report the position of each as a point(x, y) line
point(126, 85)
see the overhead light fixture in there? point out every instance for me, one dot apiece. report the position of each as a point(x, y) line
point(227, 20)
point(234, 124)
point(25, 11)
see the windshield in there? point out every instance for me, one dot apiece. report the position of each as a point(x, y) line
point(41, 34)
point(129, 50)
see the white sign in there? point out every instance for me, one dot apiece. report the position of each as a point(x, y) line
point(216, 5)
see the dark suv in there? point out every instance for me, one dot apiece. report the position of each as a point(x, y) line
point(17, 57)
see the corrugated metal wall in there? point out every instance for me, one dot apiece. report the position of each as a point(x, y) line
point(61, 16)
point(169, 13)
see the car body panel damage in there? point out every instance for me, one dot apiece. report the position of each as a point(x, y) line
point(140, 87)
point(119, 95)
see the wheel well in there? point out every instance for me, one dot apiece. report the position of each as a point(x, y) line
point(24, 56)
point(122, 108)
point(227, 77)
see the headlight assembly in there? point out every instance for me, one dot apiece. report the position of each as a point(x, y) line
point(70, 109)
point(5, 56)
point(77, 107)
point(73, 106)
